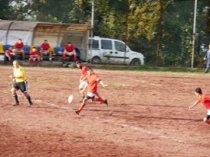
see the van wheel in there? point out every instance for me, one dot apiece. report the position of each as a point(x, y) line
point(96, 60)
point(135, 62)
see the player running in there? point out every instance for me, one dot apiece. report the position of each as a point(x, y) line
point(19, 82)
point(83, 78)
point(203, 99)
point(92, 93)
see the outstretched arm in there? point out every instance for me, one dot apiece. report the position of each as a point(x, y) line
point(196, 103)
point(101, 82)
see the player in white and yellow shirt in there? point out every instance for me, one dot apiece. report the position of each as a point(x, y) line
point(20, 83)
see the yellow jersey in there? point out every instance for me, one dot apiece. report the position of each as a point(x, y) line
point(19, 74)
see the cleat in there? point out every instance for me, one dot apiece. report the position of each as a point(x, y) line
point(106, 102)
point(30, 104)
point(16, 104)
point(77, 112)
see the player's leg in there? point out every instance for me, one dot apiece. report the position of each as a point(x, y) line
point(14, 93)
point(86, 98)
point(82, 86)
point(30, 60)
point(6, 59)
point(207, 67)
point(23, 54)
point(99, 98)
point(24, 90)
point(38, 60)
point(64, 56)
point(50, 55)
point(206, 119)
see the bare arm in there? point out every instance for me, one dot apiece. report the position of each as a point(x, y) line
point(196, 103)
point(101, 82)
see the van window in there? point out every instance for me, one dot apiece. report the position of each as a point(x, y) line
point(95, 44)
point(120, 46)
point(106, 44)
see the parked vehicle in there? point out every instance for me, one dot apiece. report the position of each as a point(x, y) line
point(112, 51)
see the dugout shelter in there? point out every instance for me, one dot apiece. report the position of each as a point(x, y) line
point(34, 33)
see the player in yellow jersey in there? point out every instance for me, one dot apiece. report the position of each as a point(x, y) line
point(19, 83)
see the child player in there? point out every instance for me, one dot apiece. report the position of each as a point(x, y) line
point(92, 93)
point(203, 99)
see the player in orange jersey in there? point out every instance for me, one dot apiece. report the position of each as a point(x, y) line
point(203, 99)
point(92, 93)
point(83, 78)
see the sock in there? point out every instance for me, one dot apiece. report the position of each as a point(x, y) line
point(29, 99)
point(16, 99)
point(99, 99)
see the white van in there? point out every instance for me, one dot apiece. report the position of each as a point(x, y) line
point(112, 51)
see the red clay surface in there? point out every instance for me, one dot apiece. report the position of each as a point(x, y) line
point(147, 116)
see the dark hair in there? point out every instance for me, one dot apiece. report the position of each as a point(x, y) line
point(198, 90)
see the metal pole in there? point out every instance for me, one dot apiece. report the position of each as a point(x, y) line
point(194, 34)
point(92, 27)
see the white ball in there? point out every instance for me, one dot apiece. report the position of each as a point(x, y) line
point(70, 99)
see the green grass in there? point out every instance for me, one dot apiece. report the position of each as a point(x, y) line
point(148, 68)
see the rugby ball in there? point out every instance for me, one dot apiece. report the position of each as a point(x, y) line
point(70, 99)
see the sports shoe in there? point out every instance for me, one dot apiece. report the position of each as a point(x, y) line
point(106, 102)
point(16, 104)
point(29, 105)
point(77, 112)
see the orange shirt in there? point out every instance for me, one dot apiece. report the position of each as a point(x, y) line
point(205, 100)
point(93, 80)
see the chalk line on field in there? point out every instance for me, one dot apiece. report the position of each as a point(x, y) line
point(152, 133)
point(51, 104)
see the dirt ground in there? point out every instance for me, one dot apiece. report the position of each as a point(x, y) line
point(147, 116)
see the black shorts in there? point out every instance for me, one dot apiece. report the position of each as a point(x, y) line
point(207, 117)
point(23, 86)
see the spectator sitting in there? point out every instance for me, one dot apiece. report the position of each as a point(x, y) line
point(18, 49)
point(9, 55)
point(34, 56)
point(45, 50)
point(69, 50)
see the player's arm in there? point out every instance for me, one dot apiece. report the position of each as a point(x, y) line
point(82, 78)
point(102, 83)
point(196, 103)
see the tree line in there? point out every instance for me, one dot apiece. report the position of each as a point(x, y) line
point(161, 29)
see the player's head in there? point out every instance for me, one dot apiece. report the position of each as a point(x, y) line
point(19, 40)
point(198, 91)
point(34, 49)
point(15, 64)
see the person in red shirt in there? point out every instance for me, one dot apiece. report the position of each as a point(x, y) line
point(34, 56)
point(83, 78)
point(204, 99)
point(45, 50)
point(9, 55)
point(92, 93)
point(69, 50)
point(18, 48)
